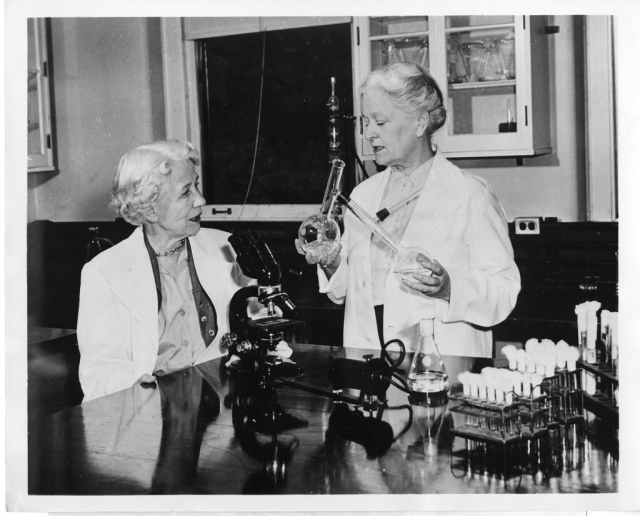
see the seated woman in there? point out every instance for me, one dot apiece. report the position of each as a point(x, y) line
point(158, 301)
point(470, 280)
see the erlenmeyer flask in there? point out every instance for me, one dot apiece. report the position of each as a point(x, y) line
point(427, 374)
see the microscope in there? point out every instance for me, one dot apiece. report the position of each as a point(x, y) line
point(258, 343)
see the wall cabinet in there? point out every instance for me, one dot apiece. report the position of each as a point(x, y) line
point(40, 137)
point(493, 72)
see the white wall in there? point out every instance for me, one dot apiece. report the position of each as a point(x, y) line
point(108, 99)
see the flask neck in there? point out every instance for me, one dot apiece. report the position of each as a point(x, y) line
point(426, 328)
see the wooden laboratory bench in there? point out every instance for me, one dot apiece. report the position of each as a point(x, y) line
point(191, 434)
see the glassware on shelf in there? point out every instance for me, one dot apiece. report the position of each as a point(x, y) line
point(392, 53)
point(473, 52)
point(491, 68)
point(319, 234)
point(407, 50)
point(423, 54)
point(456, 70)
point(427, 374)
point(506, 50)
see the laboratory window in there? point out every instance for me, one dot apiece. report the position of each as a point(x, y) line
point(263, 113)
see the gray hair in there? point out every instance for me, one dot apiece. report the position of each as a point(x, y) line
point(413, 89)
point(137, 183)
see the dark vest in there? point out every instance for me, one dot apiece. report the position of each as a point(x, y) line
point(207, 316)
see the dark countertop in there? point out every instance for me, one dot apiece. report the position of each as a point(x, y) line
point(190, 435)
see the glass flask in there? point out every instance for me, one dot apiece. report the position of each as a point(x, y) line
point(506, 51)
point(456, 68)
point(319, 234)
point(491, 68)
point(393, 54)
point(473, 52)
point(427, 374)
point(406, 263)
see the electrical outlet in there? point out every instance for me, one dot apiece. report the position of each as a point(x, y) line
point(527, 225)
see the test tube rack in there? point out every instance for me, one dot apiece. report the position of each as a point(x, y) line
point(603, 402)
point(520, 429)
point(486, 421)
point(565, 397)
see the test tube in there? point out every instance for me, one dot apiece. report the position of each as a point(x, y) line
point(613, 329)
point(604, 336)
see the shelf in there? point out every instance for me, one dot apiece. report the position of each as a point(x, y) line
point(600, 405)
point(399, 37)
point(600, 370)
point(473, 28)
point(482, 84)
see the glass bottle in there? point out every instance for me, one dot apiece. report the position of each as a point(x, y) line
point(406, 263)
point(427, 373)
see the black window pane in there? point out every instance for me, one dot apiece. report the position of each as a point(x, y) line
point(292, 160)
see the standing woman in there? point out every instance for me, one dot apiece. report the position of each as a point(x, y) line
point(471, 280)
point(158, 301)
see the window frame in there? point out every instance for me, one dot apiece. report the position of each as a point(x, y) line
point(182, 119)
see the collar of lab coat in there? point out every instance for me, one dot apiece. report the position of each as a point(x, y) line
point(437, 201)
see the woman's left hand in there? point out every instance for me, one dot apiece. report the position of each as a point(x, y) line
point(436, 285)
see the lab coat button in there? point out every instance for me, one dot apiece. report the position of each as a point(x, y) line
point(211, 333)
point(185, 343)
point(181, 313)
point(204, 318)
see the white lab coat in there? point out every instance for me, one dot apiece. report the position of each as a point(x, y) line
point(459, 222)
point(118, 316)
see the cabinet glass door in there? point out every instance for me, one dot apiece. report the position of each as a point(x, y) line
point(40, 156)
point(399, 38)
point(481, 75)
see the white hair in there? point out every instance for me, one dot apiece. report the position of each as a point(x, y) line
point(137, 182)
point(412, 88)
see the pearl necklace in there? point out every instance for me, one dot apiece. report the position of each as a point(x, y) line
point(174, 250)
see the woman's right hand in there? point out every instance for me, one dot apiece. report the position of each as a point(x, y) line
point(326, 261)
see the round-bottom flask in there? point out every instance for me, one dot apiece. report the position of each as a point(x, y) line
point(319, 235)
